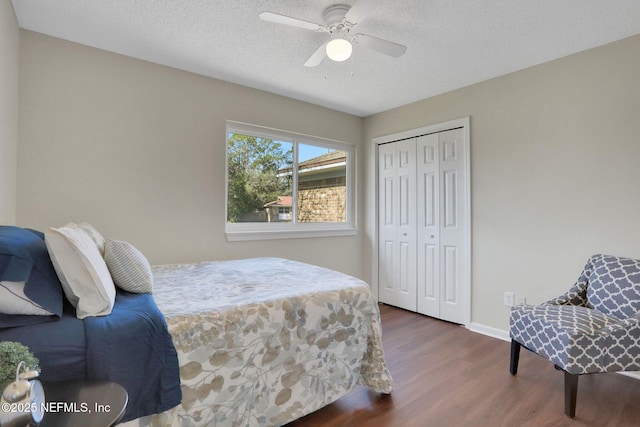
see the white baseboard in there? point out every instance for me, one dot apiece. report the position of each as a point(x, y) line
point(504, 336)
point(490, 331)
point(632, 374)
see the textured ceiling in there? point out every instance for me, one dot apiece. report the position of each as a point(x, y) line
point(450, 43)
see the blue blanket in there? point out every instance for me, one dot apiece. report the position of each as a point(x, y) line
point(132, 347)
point(60, 345)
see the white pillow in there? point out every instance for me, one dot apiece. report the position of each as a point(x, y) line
point(14, 301)
point(94, 234)
point(129, 269)
point(85, 278)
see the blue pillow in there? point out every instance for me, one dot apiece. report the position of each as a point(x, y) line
point(24, 258)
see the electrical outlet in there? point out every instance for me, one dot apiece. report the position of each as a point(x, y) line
point(508, 299)
point(520, 300)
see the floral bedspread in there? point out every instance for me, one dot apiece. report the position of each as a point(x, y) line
point(264, 341)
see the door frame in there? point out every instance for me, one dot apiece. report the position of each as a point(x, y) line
point(464, 123)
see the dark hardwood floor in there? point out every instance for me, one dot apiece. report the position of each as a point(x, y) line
point(445, 375)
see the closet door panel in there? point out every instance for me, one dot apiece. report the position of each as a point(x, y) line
point(397, 224)
point(428, 204)
point(453, 283)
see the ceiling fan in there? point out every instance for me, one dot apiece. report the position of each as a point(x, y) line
point(339, 21)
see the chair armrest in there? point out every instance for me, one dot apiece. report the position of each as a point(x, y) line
point(626, 324)
point(577, 295)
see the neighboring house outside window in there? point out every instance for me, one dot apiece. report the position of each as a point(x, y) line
point(279, 210)
point(322, 188)
point(282, 184)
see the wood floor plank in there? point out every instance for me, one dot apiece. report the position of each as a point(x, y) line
point(445, 375)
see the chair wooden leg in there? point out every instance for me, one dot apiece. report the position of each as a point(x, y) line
point(515, 356)
point(570, 394)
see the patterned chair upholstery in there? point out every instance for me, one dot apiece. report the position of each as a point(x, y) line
point(595, 327)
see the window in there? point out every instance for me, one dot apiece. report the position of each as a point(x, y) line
point(282, 184)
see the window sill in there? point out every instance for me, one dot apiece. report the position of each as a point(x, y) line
point(236, 236)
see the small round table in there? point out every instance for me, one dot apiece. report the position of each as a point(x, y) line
point(87, 403)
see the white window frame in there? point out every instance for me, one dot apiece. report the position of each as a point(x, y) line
point(293, 229)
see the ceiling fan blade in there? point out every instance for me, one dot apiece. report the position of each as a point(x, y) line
point(293, 22)
point(317, 57)
point(362, 9)
point(380, 45)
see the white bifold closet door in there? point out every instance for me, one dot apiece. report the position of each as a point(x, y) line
point(422, 228)
point(397, 233)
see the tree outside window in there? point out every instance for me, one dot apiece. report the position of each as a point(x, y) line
point(252, 178)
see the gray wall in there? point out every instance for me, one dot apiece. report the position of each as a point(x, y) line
point(138, 150)
point(555, 151)
point(9, 53)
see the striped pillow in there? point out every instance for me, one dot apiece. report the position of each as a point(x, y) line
point(129, 269)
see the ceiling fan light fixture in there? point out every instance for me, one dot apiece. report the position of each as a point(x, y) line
point(339, 49)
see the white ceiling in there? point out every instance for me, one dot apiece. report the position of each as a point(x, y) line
point(450, 43)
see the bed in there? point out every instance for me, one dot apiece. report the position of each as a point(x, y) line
point(265, 341)
point(256, 342)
